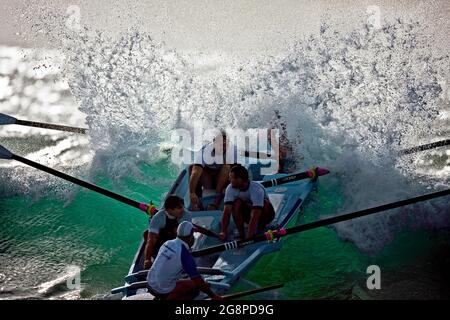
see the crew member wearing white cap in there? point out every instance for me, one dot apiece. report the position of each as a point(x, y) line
point(172, 260)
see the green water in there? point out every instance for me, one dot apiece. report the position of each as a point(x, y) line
point(40, 238)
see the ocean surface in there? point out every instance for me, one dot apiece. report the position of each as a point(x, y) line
point(351, 100)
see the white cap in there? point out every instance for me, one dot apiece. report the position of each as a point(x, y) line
point(185, 229)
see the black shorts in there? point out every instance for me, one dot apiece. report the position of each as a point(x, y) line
point(266, 217)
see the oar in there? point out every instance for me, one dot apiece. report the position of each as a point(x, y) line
point(275, 234)
point(312, 173)
point(428, 146)
point(250, 292)
point(6, 119)
point(143, 285)
point(8, 155)
point(202, 270)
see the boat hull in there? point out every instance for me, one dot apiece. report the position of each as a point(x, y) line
point(223, 270)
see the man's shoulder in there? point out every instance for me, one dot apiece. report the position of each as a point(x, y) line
point(172, 244)
point(230, 188)
point(159, 217)
point(161, 213)
point(256, 186)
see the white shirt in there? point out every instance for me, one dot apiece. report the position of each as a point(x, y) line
point(172, 260)
point(254, 195)
point(158, 221)
point(206, 156)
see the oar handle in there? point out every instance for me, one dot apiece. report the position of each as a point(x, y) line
point(50, 126)
point(205, 231)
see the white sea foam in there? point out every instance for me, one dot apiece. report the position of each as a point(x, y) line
point(351, 101)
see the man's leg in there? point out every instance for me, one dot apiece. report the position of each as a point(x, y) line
point(207, 179)
point(222, 178)
point(184, 290)
point(267, 215)
point(198, 187)
point(239, 216)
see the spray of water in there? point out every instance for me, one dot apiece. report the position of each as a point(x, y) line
point(350, 100)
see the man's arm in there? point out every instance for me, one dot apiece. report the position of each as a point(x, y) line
point(257, 198)
point(196, 173)
point(223, 178)
point(151, 242)
point(225, 220)
point(189, 266)
point(204, 286)
point(221, 184)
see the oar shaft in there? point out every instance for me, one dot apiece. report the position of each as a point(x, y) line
point(286, 179)
point(50, 126)
point(92, 187)
point(321, 223)
point(205, 231)
point(250, 292)
point(79, 182)
point(311, 173)
point(366, 212)
point(428, 146)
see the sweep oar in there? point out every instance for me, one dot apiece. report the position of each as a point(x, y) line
point(275, 234)
point(312, 173)
point(427, 146)
point(6, 119)
point(250, 292)
point(8, 155)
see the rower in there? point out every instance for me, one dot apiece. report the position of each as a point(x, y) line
point(248, 202)
point(173, 259)
point(163, 226)
point(208, 174)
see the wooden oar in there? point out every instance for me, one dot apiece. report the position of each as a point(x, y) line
point(6, 119)
point(8, 155)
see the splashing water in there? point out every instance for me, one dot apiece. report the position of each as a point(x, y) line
point(350, 100)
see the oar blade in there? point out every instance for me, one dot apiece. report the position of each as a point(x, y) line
point(322, 171)
point(5, 119)
point(5, 153)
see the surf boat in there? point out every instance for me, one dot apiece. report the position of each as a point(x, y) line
point(222, 270)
